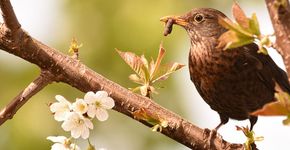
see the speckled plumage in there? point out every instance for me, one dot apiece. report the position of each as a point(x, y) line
point(234, 82)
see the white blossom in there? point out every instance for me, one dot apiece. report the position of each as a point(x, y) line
point(62, 143)
point(99, 102)
point(60, 108)
point(78, 125)
point(80, 106)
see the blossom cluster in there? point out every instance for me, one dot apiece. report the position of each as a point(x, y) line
point(77, 116)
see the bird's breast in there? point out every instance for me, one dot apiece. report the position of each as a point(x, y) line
point(227, 81)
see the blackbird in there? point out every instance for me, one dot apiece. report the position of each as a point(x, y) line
point(232, 82)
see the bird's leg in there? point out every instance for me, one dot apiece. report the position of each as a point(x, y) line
point(253, 120)
point(209, 135)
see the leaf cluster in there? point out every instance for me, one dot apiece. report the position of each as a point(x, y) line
point(281, 107)
point(250, 135)
point(244, 31)
point(148, 73)
point(153, 119)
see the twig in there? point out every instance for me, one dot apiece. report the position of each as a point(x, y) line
point(38, 84)
point(9, 16)
point(280, 17)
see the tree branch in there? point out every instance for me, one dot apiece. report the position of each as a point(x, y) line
point(76, 74)
point(280, 17)
point(9, 16)
point(38, 84)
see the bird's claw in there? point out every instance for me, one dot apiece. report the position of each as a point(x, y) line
point(209, 137)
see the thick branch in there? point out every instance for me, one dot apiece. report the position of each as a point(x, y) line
point(280, 17)
point(76, 74)
point(9, 16)
point(38, 84)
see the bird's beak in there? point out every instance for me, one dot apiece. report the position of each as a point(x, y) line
point(179, 20)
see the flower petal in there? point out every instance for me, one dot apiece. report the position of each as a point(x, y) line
point(101, 94)
point(108, 103)
point(85, 133)
point(56, 107)
point(61, 99)
point(76, 132)
point(60, 116)
point(58, 146)
point(74, 147)
point(88, 123)
point(68, 125)
point(102, 114)
point(90, 97)
point(80, 106)
point(91, 111)
point(57, 139)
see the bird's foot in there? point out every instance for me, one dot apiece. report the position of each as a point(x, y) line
point(254, 146)
point(208, 137)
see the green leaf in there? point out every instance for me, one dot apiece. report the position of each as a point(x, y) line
point(145, 61)
point(145, 70)
point(74, 46)
point(250, 135)
point(153, 119)
point(244, 32)
point(287, 120)
point(232, 39)
point(280, 3)
point(165, 70)
point(262, 50)
point(254, 25)
point(135, 89)
point(240, 16)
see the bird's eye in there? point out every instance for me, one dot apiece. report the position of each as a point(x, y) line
point(198, 18)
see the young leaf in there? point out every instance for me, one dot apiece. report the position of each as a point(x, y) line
point(153, 119)
point(134, 61)
point(158, 60)
point(272, 109)
point(231, 39)
point(228, 24)
point(244, 32)
point(240, 16)
point(250, 135)
point(281, 107)
point(287, 120)
point(135, 78)
point(144, 90)
point(280, 3)
point(165, 70)
point(148, 73)
point(74, 46)
point(254, 25)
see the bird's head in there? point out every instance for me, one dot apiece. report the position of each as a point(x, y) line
point(200, 23)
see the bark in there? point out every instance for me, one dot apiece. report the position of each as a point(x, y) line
point(62, 68)
point(280, 17)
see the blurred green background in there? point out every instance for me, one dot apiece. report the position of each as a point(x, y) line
point(101, 26)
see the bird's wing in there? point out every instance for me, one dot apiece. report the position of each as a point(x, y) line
point(267, 70)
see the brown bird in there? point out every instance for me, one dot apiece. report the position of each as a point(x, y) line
point(232, 82)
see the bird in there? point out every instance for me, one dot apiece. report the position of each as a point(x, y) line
point(234, 82)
